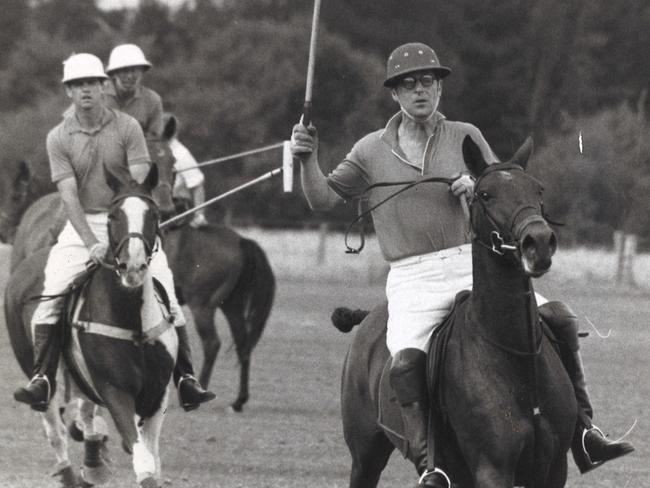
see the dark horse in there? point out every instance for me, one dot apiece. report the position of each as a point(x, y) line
point(506, 406)
point(213, 267)
point(119, 359)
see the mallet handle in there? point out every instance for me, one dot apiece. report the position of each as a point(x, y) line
point(259, 179)
point(306, 112)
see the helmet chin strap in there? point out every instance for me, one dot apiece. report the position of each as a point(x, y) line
point(419, 121)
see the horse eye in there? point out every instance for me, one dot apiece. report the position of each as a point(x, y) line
point(485, 196)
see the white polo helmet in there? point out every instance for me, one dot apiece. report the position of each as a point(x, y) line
point(126, 56)
point(83, 65)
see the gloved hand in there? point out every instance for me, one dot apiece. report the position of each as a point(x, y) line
point(304, 141)
point(463, 184)
point(98, 252)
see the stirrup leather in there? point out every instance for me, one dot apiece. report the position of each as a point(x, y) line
point(427, 472)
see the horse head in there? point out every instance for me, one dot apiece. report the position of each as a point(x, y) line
point(161, 155)
point(133, 226)
point(14, 186)
point(507, 211)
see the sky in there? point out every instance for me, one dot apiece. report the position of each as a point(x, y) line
point(116, 4)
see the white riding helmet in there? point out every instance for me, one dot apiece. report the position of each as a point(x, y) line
point(125, 56)
point(83, 65)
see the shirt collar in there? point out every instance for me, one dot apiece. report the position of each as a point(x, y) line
point(72, 124)
point(389, 134)
point(110, 90)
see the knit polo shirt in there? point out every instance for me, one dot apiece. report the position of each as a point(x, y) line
point(427, 217)
point(117, 143)
point(145, 106)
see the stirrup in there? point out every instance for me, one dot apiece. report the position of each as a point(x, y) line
point(40, 406)
point(428, 472)
point(584, 447)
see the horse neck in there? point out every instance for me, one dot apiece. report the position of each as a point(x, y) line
point(115, 302)
point(503, 302)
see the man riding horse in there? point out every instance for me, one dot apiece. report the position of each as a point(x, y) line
point(424, 236)
point(90, 137)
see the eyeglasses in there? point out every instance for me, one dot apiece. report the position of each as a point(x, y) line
point(410, 82)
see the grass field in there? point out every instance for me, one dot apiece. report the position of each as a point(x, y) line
point(290, 433)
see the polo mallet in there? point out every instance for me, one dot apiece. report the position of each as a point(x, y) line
point(287, 184)
point(311, 65)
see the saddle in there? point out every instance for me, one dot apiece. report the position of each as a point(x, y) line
point(77, 319)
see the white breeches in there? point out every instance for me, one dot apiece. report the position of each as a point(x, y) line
point(68, 258)
point(421, 292)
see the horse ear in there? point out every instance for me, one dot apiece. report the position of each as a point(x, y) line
point(151, 181)
point(473, 156)
point(23, 172)
point(169, 130)
point(523, 153)
point(113, 182)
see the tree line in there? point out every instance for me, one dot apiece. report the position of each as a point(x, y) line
point(233, 71)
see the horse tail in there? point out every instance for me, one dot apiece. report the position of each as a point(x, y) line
point(344, 319)
point(256, 287)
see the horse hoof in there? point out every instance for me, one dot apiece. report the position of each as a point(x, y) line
point(69, 478)
point(149, 483)
point(75, 432)
point(236, 407)
point(99, 475)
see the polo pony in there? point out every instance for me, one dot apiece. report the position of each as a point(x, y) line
point(505, 410)
point(119, 343)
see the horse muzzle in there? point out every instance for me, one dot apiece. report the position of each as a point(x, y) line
point(537, 245)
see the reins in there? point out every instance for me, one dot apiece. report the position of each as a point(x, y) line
point(362, 214)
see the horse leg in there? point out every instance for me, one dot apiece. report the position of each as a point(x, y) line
point(237, 324)
point(557, 474)
point(121, 405)
point(369, 458)
point(487, 475)
point(95, 468)
point(149, 432)
point(207, 330)
point(55, 431)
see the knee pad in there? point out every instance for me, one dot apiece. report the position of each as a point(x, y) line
point(562, 321)
point(408, 375)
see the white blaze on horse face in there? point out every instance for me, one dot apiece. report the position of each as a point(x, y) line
point(135, 210)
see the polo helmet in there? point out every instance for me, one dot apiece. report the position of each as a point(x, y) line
point(83, 65)
point(412, 57)
point(126, 56)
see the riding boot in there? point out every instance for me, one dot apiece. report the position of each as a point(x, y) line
point(590, 448)
point(190, 392)
point(40, 389)
point(408, 380)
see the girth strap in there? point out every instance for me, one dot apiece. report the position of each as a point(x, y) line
point(128, 335)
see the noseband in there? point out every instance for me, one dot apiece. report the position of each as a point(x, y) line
point(498, 243)
point(150, 247)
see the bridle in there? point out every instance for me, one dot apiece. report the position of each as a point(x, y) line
point(502, 241)
point(150, 246)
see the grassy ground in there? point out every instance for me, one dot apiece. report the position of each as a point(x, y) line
point(290, 434)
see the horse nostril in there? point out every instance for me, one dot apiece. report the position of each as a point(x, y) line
point(527, 244)
point(552, 244)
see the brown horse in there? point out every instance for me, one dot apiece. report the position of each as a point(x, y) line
point(506, 410)
point(214, 267)
point(120, 360)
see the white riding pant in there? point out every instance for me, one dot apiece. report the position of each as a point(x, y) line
point(67, 261)
point(421, 292)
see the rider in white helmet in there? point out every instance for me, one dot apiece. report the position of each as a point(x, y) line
point(90, 138)
point(188, 184)
point(126, 67)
